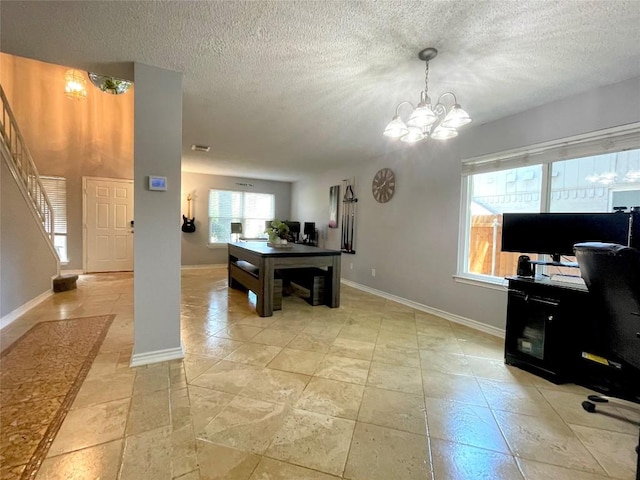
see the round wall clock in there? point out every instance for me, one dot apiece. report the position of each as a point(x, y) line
point(383, 185)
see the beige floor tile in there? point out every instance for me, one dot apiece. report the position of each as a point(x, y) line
point(270, 469)
point(494, 351)
point(276, 386)
point(158, 454)
point(398, 410)
point(344, 347)
point(394, 377)
point(105, 388)
point(398, 325)
point(615, 451)
point(569, 407)
point(445, 362)
point(516, 398)
point(225, 376)
point(405, 357)
point(397, 339)
point(313, 440)
point(445, 344)
point(363, 334)
point(545, 440)
point(89, 426)
point(150, 380)
point(215, 346)
point(543, 471)
point(459, 388)
point(218, 462)
point(275, 337)
point(322, 328)
point(426, 319)
point(148, 412)
point(379, 453)
point(331, 397)
point(254, 354)
point(180, 407)
point(241, 333)
point(246, 424)
point(205, 405)
point(297, 361)
point(101, 461)
point(454, 461)
point(343, 369)
point(466, 424)
point(195, 365)
point(498, 370)
point(434, 330)
point(311, 343)
point(255, 321)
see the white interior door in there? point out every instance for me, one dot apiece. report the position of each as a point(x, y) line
point(108, 217)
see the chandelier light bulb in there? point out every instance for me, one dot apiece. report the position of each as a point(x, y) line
point(396, 128)
point(444, 133)
point(422, 117)
point(415, 135)
point(456, 117)
point(75, 85)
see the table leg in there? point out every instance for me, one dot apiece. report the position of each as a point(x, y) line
point(334, 275)
point(265, 295)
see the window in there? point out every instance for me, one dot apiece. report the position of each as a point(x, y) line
point(250, 209)
point(520, 182)
point(56, 188)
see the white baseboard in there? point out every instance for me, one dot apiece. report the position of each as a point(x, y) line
point(483, 327)
point(139, 359)
point(198, 267)
point(11, 316)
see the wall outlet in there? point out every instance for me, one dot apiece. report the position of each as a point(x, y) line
point(351, 266)
point(373, 272)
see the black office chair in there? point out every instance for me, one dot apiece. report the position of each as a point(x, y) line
point(612, 275)
point(236, 230)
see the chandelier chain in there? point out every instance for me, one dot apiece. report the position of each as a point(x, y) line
point(426, 80)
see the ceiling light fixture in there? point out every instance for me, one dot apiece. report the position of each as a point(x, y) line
point(112, 85)
point(75, 85)
point(425, 120)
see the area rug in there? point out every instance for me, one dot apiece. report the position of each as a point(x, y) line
point(40, 375)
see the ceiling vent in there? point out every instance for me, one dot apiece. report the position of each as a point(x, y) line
point(200, 148)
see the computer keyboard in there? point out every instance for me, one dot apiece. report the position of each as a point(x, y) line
point(572, 279)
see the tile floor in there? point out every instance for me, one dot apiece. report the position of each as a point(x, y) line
point(372, 390)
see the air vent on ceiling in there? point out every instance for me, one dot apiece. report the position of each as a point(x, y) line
point(200, 148)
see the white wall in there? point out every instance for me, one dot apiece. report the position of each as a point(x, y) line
point(194, 245)
point(157, 152)
point(412, 241)
point(26, 262)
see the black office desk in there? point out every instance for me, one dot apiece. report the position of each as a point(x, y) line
point(548, 326)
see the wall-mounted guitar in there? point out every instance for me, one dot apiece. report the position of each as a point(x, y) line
point(188, 224)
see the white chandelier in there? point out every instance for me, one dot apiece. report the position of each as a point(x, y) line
point(426, 120)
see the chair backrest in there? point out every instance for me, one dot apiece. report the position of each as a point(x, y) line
point(612, 275)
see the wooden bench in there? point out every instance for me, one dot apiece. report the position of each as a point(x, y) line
point(312, 280)
point(245, 275)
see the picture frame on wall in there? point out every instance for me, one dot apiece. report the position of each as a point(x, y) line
point(334, 194)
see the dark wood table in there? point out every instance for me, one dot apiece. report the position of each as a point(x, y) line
point(268, 259)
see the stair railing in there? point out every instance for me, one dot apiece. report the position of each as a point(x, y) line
point(24, 169)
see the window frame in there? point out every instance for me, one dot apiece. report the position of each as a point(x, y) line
point(57, 193)
point(626, 137)
point(241, 219)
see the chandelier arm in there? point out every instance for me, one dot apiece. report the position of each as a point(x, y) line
point(402, 103)
point(440, 109)
point(455, 100)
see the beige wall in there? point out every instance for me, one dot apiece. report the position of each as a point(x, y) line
point(69, 138)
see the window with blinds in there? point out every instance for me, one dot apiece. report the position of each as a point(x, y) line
point(589, 173)
point(56, 188)
point(250, 209)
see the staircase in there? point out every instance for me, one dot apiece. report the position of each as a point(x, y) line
point(16, 155)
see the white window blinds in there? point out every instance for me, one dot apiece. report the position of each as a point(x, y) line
point(626, 137)
point(56, 188)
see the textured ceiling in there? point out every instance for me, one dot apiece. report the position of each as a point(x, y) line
point(282, 88)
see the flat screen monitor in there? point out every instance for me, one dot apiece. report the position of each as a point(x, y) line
point(294, 227)
point(309, 228)
point(555, 234)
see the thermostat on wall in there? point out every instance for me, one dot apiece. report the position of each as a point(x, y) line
point(158, 183)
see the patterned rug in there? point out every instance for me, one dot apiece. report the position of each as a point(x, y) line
point(40, 375)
